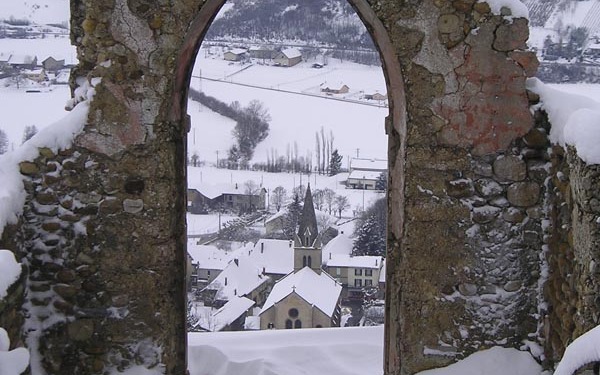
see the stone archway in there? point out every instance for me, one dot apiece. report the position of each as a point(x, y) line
point(464, 199)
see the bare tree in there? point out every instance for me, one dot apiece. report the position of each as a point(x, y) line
point(324, 146)
point(251, 189)
point(29, 132)
point(279, 195)
point(318, 147)
point(329, 197)
point(318, 199)
point(341, 203)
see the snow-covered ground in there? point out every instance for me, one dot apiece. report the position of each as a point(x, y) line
point(294, 117)
point(39, 11)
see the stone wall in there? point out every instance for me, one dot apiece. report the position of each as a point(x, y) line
point(573, 287)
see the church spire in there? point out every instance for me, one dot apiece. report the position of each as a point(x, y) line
point(308, 231)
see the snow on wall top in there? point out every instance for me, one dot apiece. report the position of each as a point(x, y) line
point(57, 136)
point(10, 271)
point(320, 290)
point(518, 9)
point(584, 350)
point(12, 362)
point(575, 120)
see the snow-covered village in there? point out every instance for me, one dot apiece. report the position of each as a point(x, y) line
point(300, 187)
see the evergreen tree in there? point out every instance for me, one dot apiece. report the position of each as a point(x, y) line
point(371, 230)
point(29, 132)
point(3, 142)
point(381, 183)
point(291, 218)
point(335, 163)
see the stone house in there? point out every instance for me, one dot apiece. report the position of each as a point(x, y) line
point(364, 173)
point(287, 57)
point(205, 263)
point(236, 54)
point(51, 64)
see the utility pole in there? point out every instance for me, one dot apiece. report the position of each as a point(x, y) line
point(217, 158)
point(357, 152)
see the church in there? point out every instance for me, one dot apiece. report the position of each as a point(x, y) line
point(307, 297)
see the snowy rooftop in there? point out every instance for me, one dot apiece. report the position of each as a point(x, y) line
point(320, 290)
point(240, 277)
point(291, 53)
point(208, 256)
point(339, 245)
point(342, 260)
point(274, 256)
point(367, 175)
point(212, 191)
point(368, 164)
point(238, 51)
point(21, 59)
point(227, 314)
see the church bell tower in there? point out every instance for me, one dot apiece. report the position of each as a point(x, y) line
point(307, 242)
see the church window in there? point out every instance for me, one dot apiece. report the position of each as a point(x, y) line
point(318, 326)
point(298, 324)
point(288, 324)
point(309, 263)
point(304, 261)
point(293, 313)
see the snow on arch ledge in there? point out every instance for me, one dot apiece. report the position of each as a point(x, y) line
point(518, 9)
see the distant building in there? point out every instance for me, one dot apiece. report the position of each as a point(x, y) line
point(236, 54)
point(4, 57)
point(287, 57)
point(375, 96)
point(262, 52)
point(51, 64)
point(22, 61)
point(355, 273)
point(339, 88)
point(224, 196)
point(364, 173)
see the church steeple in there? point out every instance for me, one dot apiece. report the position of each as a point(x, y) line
point(307, 244)
point(307, 228)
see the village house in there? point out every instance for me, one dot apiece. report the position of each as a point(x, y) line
point(364, 173)
point(4, 57)
point(262, 52)
point(230, 317)
point(232, 197)
point(51, 64)
point(22, 61)
point(205, 263)
point(240, 278)
point(339, 88)
point(353, 272)
point(287, 57)
point(306, 297)
point(375, 96)
point(236, 54)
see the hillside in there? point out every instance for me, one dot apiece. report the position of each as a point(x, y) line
point(331, 23)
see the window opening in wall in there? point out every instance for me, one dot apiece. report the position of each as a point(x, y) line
point(274, 125)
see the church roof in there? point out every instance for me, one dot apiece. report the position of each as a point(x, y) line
point(320, 290)
point(308, 221)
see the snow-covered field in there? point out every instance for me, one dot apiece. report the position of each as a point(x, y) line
point(294, 117)
point(39, 11)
